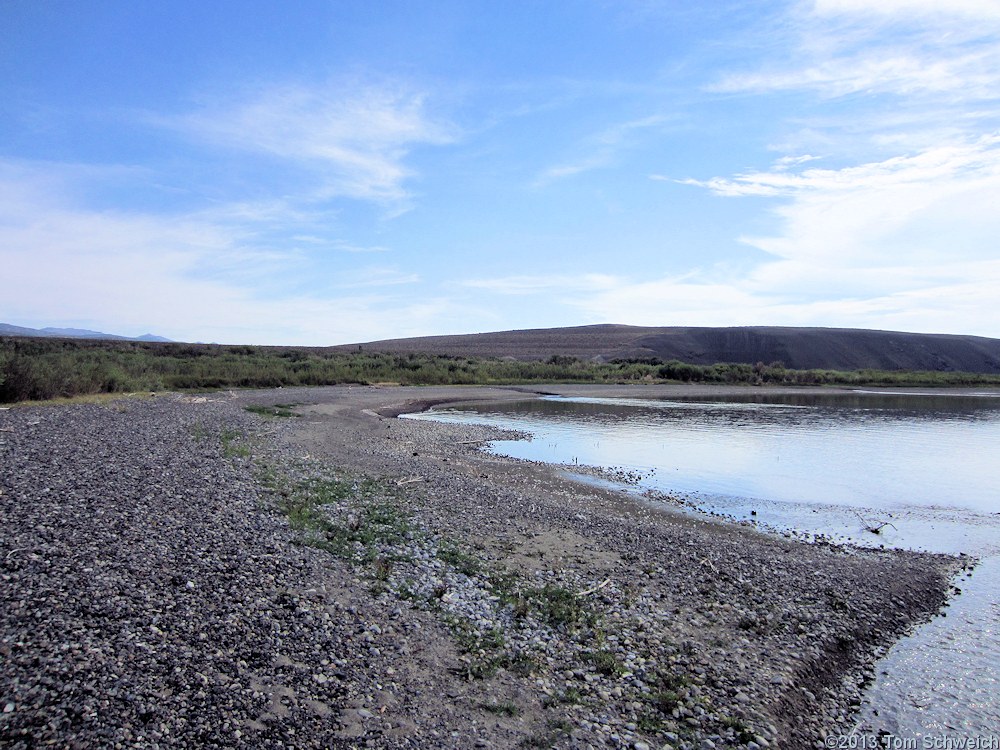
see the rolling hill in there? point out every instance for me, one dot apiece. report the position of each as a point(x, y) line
point(797, 348)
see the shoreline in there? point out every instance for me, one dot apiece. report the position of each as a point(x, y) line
point(674, 631)
point(545, 481)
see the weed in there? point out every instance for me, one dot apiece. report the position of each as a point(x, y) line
point(554, 730)
point(652, 722)
point(606, 663)
point(232, 449)
point(665, 700)
point(522, 665)
point(485, 651)
point(404, 590)
point(558, 606)
point(673, 681)
point(278, 410)
point(743, 733)
point(507, 708)
point(459, 560)
point(570, 696)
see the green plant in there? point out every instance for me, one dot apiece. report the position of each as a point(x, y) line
point(606, 663)
point(41, 369)
point(231, 448)
point(570, 696)
point(743, 733)
point(278, 410)
point(507, 708)
point(558, 606)
point(459, 560)
point(665, 700)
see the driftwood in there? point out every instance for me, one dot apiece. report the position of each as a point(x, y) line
point(873, 528)
point(598, 587)
point(401, 482)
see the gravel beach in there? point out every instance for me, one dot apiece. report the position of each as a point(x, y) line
point(180, 571)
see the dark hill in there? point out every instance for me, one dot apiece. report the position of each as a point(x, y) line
point(796, 348)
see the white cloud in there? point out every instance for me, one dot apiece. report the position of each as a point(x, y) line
point(961, 301)
point(901, 232)
point(966, 9)
point(180, 276)
point(354, 137)
point(549, 284)
point(903, 48)
point(904, 243)
point(902, 73)
point(600, 149)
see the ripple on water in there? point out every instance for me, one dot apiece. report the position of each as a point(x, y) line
point(944, 678)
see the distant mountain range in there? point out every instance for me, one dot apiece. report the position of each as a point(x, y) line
point(796, 348)
point(71, 333)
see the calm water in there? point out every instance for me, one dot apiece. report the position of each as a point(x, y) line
point(823, 463)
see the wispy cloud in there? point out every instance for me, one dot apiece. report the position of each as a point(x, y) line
point(375, 276)
point(601, 149)
point(902, 238)
point(354, 138)
point(183, 276)
point(906, 48)
point(527, 285)
point(323, 243)
point(963, 9)
point(937, 168)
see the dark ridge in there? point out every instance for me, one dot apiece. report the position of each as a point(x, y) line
point(795, 348)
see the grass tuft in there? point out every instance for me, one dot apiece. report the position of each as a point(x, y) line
point(278, 410)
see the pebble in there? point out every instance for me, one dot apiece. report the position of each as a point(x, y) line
point(132, 509)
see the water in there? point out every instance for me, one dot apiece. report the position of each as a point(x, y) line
point(832, 464)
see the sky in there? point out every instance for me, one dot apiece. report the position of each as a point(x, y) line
point(317, 173)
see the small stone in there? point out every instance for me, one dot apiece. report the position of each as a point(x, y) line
point(9, 708)
point(641, 746)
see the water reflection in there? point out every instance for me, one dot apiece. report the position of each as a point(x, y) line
point(852, 449)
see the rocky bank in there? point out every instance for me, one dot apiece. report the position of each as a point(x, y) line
point(179, 571)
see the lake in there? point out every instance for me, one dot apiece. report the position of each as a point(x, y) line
point(925, 465)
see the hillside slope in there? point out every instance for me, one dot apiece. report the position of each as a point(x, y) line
point(797, 348)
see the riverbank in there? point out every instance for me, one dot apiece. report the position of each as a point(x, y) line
point(181, 571)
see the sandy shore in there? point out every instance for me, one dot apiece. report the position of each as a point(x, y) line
point(437, 597)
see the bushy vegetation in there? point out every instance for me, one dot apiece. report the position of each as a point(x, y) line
point(40, 369)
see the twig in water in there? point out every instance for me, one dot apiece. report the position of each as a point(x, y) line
point(873, 528)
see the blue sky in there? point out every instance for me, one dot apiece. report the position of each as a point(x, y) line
point(333, 172)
